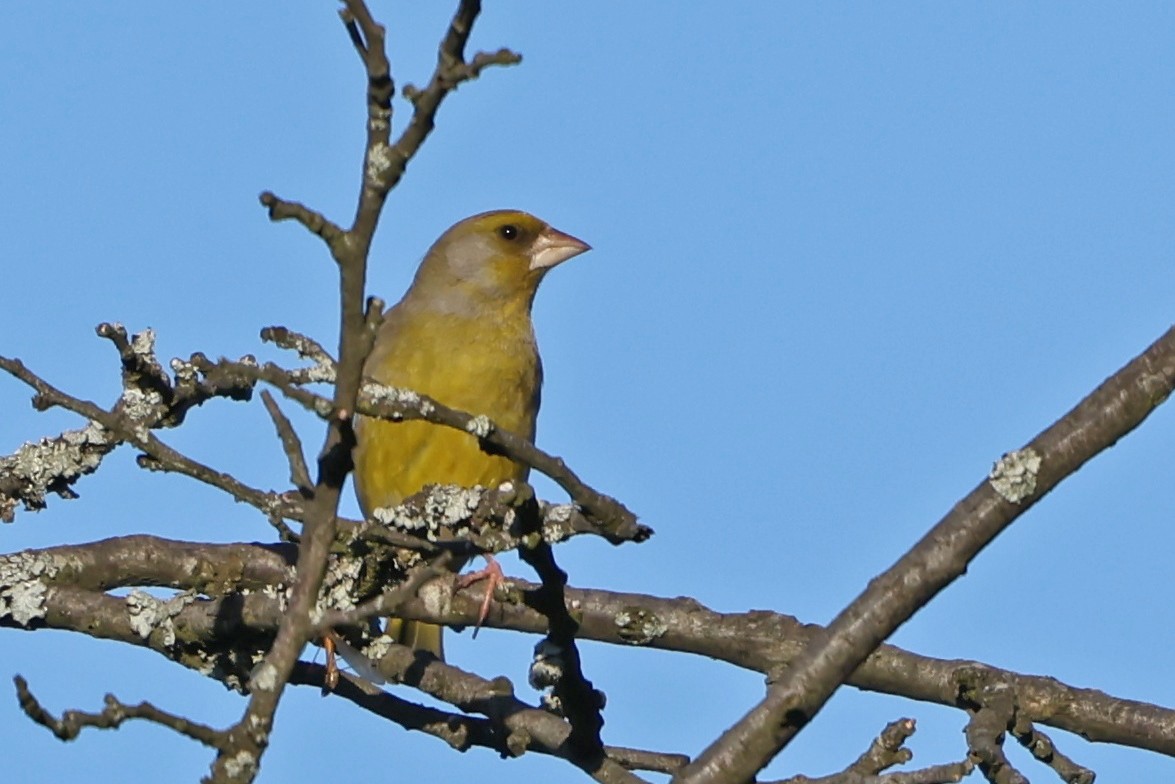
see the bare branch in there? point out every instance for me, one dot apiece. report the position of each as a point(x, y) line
point(385, 163)
point(1044, 750)
point(886, 750)
point(72, 722)
point(616, 522)
point(933, 774)
point(306, 348)
point(292, 445)
point(61, 588)
point(1019, 480)
point(993, 713)
point(557, 657)
point(769, 642)
point(462, 731)
point(522, 725)
point(314, 222)
point(383, 167)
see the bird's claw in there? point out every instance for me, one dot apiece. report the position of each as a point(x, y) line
point(492, 573)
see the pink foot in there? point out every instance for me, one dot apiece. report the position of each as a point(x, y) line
point(492, 573)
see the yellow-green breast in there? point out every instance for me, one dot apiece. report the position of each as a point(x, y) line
point(479, 364)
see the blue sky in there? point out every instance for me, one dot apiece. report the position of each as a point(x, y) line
point(846, 255)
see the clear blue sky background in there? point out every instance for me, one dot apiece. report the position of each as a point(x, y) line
point(846, 255)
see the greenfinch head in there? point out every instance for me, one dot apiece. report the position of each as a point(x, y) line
point(492, 258)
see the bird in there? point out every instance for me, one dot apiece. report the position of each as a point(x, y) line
point(462, 334)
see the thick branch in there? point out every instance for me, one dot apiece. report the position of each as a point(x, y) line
point(1019, 480)
point(61, 588)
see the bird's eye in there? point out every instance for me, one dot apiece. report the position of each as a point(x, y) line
point(508, 232)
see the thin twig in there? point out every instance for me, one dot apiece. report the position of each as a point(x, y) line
point(1044, 750)
point(314, 222)
point(292, 445)
point(72, 722)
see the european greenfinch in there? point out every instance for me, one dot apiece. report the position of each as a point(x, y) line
point(462, 335)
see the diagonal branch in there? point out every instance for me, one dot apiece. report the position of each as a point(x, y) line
point(299, 473)
point(149, 401)
point(1018, 481)
point(616, 521)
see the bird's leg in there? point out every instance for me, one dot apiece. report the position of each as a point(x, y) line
point(332, 667)
point(494, 577)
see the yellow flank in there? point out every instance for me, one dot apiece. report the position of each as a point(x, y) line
point(462, 335)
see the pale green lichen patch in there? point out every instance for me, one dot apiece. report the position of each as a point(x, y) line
point(143, 343)
point(636, 626)
point(23, 602)
point(443, 507)
point(281, 592)
point(223, 666)
point(38, 465)
point(140, 405)
point(256, 727)
point(546, 668)
point(242, 765)
point(378, 648)
point(1013, 476)
point(556, 519)
point(437, 596)
point(263, 677)
point(22, 585)
point(379, 160)
point(338, 586)
point(148, 614)
point(23, 566)
point(184, 371)
point(320, 374)
point(203, 663)
point(395, 396)
point(480, 426)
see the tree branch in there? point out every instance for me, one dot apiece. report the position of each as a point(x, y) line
point(617, 523)
point(72, 722)
point(383, 167)
point(61, 588)
point(1018, 481)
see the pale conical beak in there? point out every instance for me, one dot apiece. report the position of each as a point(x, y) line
point(554, 247)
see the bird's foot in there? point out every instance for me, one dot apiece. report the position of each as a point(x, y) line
point(494, 577)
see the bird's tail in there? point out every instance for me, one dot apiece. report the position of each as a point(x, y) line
point(417, 635)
